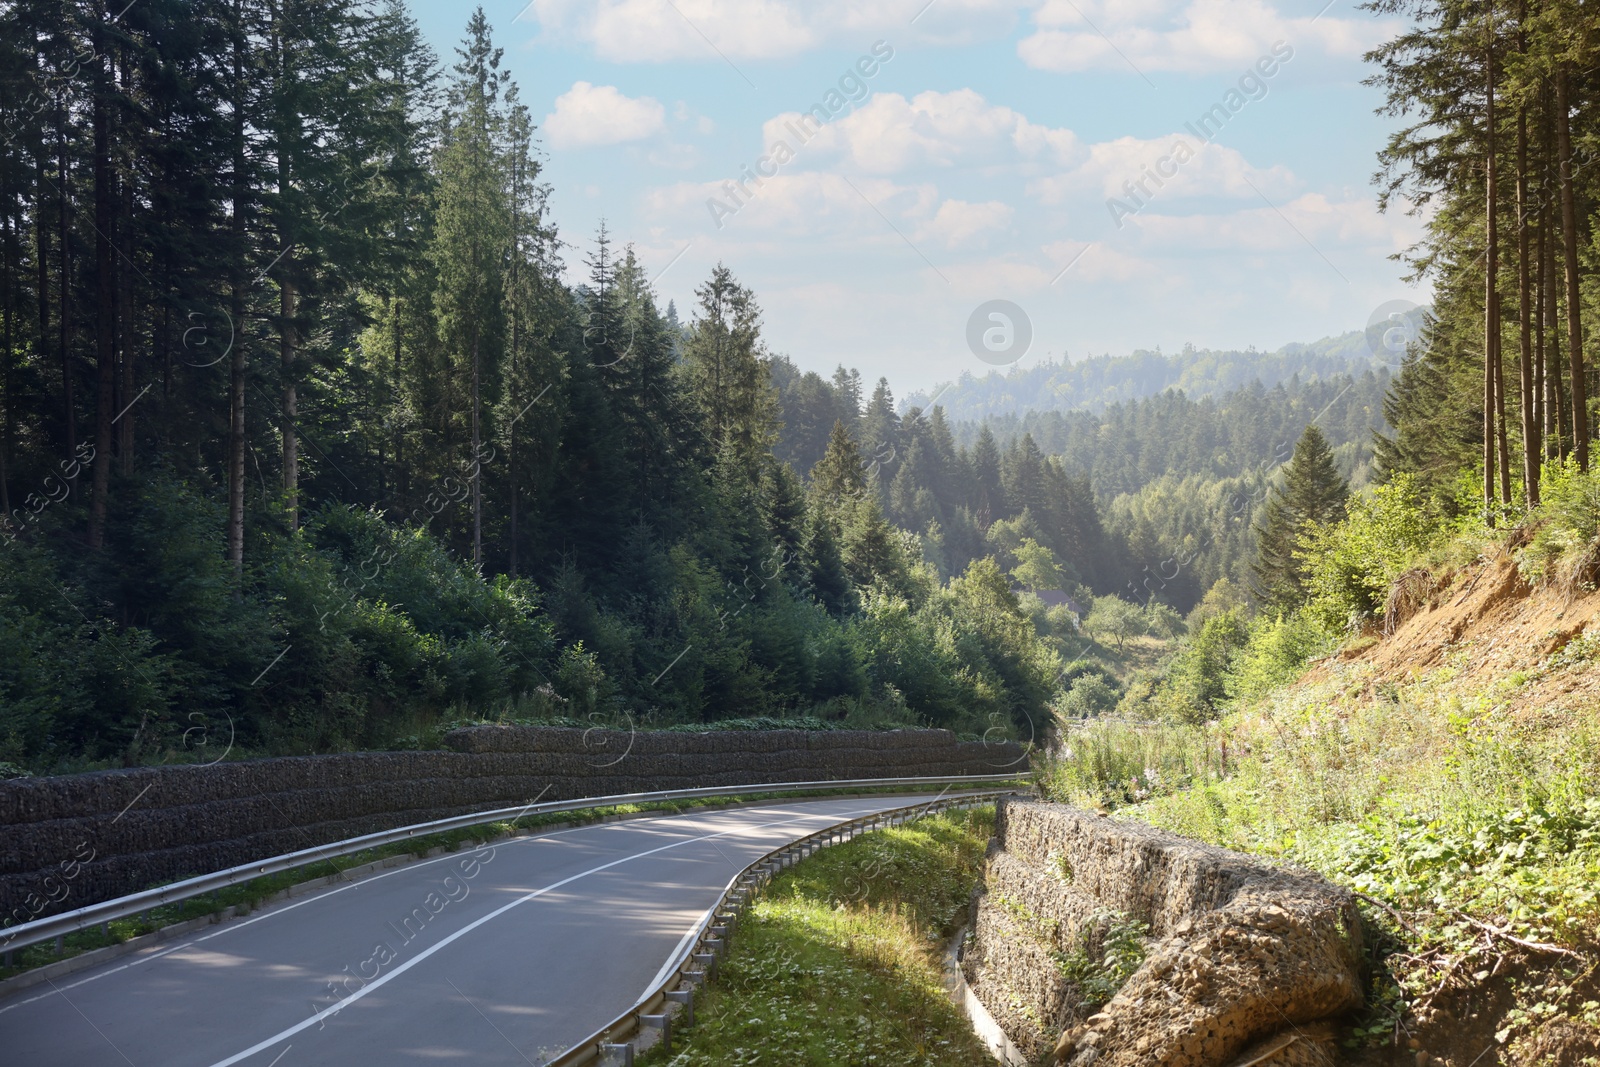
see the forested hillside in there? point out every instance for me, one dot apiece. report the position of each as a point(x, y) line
point(307, 444)
point(1095, 382)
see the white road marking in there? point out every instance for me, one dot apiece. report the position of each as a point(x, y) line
point(639, 825)
point(384, 979)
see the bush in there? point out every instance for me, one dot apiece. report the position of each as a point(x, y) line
point(1088, 696)
point(1197, 678)
point(1275, 654)
point(1352, 564)
point(1565, 548)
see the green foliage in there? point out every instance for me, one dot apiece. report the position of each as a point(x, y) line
point(1036, 567)
point(1311, 498)
point(1565, 548)
point(966, 657)
point(1162, 621)
point(1111, 764)
point(1351, 564)
point(1275, 654)
point(838, 961)
point(1226, 595)
point(580, 679)
point(1089, 695)
point(1446, 811)
point(1196, 681)
point(1113, 616)
point(1110, 947)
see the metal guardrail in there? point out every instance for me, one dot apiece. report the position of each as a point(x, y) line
point(611, 1045)
point(53, 927)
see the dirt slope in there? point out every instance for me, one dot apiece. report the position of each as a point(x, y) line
point(1485, 624)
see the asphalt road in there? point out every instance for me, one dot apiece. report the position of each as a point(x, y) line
point(506, 955)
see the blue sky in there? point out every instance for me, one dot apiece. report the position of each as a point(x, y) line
point(977, 163)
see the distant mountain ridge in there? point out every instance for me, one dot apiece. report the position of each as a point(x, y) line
point(1097, 382)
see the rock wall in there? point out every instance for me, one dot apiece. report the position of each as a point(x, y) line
point(1243, 963)
point(70, 841)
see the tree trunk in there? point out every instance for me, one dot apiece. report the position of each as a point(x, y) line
point(105, 298)
point(64, 296)
point(516, 339)
point(287, 296)
point(41, 230)
point(1556, 398)
point(236, 284)
point(477, 467)
point(5, 378)
point(1541, 388)
point(125, 332)
point(1530, 423)
point(1491, 303)
point(1569, 239)
point(402, 483)
point(291, 401)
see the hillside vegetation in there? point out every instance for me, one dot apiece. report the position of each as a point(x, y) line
point(1441, 758)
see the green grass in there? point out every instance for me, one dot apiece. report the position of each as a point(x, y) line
point(1109, 764)
point(839, 960)
point(249, 895)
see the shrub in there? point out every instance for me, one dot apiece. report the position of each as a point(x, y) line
point(1088, 696)
point(1565, 548)
point(1275, 654)
point(1198, 675)
point(1113, 763)
point(1353, 563)
point(1110, 949)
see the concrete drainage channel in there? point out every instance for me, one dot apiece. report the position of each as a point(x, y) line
point(672, 1001)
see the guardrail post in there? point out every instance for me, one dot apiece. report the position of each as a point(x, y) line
point(686, 998)
point(708, 963)
point(616, 1055)
point(661, 1022)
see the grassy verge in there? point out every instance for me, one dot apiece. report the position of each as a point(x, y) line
point(1473, 832)
point(839, 960)
point(249, 895)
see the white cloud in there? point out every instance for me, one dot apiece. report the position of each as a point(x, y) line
point(1193, 36)
point(1331, 228)
point(588, 115)
point(889, 134)
point(1213, 170)
point(958, 222)
point(811, 204)
point(1181, 35)
point(655, 31)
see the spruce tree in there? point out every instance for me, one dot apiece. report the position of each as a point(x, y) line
point(838, 476)
point(472, 239)
point(1312, 496)
point(726, 373)
point(988, 499)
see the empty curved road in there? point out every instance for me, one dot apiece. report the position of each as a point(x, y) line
point(505, 955)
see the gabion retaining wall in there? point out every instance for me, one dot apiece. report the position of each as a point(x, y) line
point(75, 840)
point(1244, 962)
